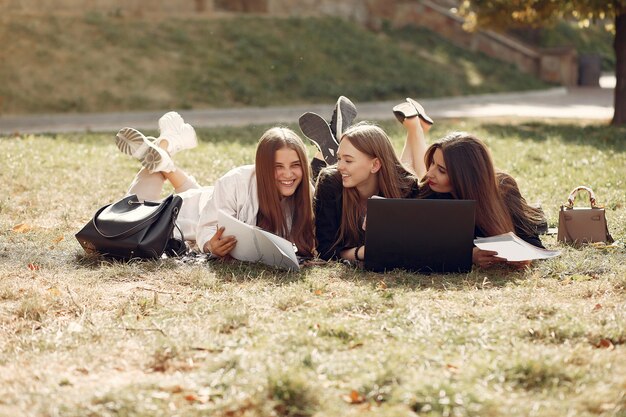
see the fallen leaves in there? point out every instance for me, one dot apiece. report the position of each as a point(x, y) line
point(26, 228)
point(54, 292)
point(353, 398)
point(22, 228)
point(188, 394)
point(452, 368)
point(605, 344)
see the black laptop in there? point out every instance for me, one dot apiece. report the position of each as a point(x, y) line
point(419, 235)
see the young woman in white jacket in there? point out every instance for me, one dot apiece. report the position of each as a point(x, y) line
point(274, 194)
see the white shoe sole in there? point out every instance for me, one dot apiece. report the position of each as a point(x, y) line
point(152, 159)
point(132, 142)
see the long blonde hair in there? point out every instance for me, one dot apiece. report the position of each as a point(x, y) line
point(271, 216)
point(394, 180)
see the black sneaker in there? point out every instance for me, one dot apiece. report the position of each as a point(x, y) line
point(343, 116)
point(318, 131)
point(411, 108)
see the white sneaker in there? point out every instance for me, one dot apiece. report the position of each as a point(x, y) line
point(132, 142)
point(179, 135)
point(156, 159)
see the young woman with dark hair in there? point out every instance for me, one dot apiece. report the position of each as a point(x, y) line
point(366, 166)
point(460, 166)
point(275, 193)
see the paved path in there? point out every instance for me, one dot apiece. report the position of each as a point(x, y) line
point(572, 103)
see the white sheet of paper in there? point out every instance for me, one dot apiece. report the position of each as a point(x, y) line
point(256, 245)
point(245, 249)
point(512, 248)
point(280, 252)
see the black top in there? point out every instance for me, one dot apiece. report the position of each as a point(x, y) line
point(317, 165)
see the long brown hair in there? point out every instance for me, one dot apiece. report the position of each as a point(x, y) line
point(394, 180)
point(525, 217)
point(271, 216)
point(472, 177)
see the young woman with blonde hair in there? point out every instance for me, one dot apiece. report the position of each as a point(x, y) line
point(274, 194)
point(367, 166)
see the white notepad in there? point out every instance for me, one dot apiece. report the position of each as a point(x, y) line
point(257, 245)
point(512, 248)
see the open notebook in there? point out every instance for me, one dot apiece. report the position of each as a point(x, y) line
point(257, 245)
point(513, 248)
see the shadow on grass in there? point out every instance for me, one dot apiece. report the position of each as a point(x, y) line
point(95, 261)
point(601, 137)
point(236, 271)
point(241, 272)
point(477, 278)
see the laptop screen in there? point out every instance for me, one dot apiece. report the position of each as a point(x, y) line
point(419, 235)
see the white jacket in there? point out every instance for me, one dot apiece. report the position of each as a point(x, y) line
point(235, 193)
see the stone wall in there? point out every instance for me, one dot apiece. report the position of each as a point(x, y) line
point(559, 66)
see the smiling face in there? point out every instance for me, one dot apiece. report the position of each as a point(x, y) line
point(437, 175)
point(287, 171)
point(357, 169)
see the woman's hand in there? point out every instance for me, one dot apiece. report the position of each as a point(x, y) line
point(220, 245)
point(356, 254)
point(486, 258)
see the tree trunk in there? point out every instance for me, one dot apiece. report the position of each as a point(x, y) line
point(619, 45)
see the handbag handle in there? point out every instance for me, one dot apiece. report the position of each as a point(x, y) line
point(132, 230)
point(572, 195)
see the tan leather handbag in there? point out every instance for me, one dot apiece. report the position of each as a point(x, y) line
point(578, 225)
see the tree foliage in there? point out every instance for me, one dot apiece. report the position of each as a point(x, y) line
point(535, 13)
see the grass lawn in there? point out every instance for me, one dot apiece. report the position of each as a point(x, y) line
point(80, 337)
point(96, 63)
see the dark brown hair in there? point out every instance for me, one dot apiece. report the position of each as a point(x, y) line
point(394, 180)
point(472, 177)
point(525, 217)
point(271, 216)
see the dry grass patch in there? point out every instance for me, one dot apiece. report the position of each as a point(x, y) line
point(85, 336)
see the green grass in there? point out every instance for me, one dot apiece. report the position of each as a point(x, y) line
point(105, 63)
point(81, 336)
